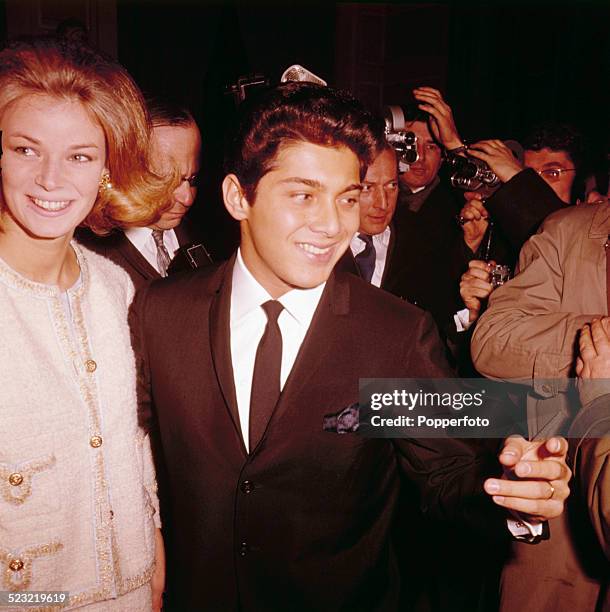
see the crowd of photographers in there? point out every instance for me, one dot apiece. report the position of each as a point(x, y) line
point(460, 220)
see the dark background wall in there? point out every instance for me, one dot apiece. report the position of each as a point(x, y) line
point(502, 66)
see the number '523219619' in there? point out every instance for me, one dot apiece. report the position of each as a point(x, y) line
point(33, 598)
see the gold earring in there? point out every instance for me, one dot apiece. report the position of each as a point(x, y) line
point(105, 182)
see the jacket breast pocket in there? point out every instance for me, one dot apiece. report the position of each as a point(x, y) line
point(30, 487)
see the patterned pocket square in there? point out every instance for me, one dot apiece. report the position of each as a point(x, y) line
point(344, 421)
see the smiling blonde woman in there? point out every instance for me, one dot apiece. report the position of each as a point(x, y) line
point(78, 503)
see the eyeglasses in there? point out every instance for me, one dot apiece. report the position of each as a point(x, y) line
point(554, 174)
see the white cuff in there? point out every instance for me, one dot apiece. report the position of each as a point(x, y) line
point(462, 320)
point(524, 530)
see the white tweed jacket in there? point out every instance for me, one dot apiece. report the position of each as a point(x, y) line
point(78, 505)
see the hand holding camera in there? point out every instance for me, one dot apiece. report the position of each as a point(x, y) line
point(498, 156)
point(477, 283)
point(475, 286)
point(484, 165)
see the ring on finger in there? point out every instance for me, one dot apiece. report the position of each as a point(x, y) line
point(552, 491)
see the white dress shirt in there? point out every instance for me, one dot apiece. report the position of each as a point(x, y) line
point(381, 242)
point(247, 324)
point(142, 239)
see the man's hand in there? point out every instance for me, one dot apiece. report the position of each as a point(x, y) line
point(474, 217)
point(498, 157)
point(475, 286)
point(157, 581)
point(536, 476)
point(594, 344)
point(441, 117)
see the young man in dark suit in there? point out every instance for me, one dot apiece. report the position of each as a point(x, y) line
point(240, 365)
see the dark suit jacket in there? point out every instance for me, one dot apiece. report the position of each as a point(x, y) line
point(118, 248)
point(302, 522)
point(422, 271)
point(417, 264)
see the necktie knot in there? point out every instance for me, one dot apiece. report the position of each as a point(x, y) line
point(158, 237)
point(272, 309)
point(367, 239)
point(163, 257)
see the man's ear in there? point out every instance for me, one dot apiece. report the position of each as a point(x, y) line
point(234, 198)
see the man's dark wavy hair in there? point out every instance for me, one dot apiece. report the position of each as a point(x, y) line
point(298, 112)
point(557, 137)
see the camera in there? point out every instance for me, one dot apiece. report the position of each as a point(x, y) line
point(469, 173)
point(498, 275)
point(403, 141)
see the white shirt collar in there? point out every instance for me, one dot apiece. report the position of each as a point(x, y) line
point(357, 245)
point(248, 294)
point(384, 237)
point(138, 236)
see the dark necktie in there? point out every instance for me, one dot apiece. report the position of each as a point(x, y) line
point(365, 260)
point(163, 258)
point(266, 376)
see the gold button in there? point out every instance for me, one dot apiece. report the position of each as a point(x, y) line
point(16, 565)
point(90, 365)
point(15, 479)
point(95, 441)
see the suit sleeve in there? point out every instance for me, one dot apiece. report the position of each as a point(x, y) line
point(138, 336)
point(591, 464)
point(524, 333)
point(144, 408)
point(136, 316)
point(521, 205)
point(449, 472)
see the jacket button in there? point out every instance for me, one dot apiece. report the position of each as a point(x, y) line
point(16, 565)
point(247, 486)
point(90, 365)
point(243, 549)
point(15, 479)
point(95, 441)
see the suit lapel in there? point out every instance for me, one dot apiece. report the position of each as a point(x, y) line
point(185, 233)
point(220, 340)
point(347, 263)
point(136, 259)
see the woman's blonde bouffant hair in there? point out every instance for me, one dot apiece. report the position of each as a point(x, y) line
point(61, 69)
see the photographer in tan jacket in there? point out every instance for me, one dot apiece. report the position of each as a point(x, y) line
point(529, 333)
